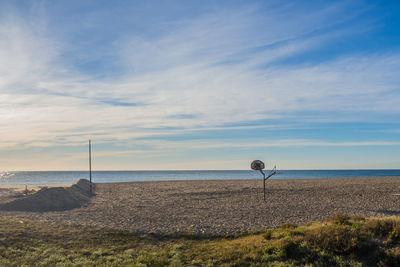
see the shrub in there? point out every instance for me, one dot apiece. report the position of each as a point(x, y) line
point(341, 219)
point(271, 253)
point(391, 258)
point(394, 235)
point(268, 234)
point(292, 248)
point(288, 226)
point(359, 218)
point(338, 239)
point(381, 227)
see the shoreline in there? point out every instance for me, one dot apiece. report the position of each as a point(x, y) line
point(226, 206)
point(39, 186)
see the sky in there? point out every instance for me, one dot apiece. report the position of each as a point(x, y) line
point(181, 85)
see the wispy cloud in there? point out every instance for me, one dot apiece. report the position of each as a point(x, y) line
point(213, 71)
point(160, 145)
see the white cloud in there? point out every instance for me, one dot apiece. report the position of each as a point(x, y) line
point(162, 145)
point(205, 73)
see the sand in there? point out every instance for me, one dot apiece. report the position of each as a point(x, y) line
point(220, 207)
point(11, 192)
point(55, 198)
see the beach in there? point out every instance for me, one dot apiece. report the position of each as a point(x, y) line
point(217, 207)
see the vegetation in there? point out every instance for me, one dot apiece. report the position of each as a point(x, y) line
point(341, 241)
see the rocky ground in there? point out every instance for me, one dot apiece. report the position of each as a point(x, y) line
point(219, 207)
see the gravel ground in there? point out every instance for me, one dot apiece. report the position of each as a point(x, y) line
point(220, 207)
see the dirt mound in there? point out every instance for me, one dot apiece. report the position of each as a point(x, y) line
point(53, 199)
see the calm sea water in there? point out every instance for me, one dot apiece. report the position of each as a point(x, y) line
point(67, 177)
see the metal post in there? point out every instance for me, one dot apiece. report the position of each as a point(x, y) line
point(90, 165)
point(263, 181)
point(258, 165)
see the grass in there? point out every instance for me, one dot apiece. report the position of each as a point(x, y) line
point(340, 241)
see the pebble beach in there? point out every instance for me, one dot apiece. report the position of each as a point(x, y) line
point(218, 207)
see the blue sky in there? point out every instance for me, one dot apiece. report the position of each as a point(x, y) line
point(199, 84)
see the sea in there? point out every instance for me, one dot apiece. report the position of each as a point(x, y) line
point(69, 177)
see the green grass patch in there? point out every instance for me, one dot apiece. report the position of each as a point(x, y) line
point(340, 241)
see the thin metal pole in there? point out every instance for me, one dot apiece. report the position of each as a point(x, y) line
point(263, 181)
point(264, 190)
point(90, 165)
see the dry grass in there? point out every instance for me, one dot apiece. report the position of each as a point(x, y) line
point(340, 241)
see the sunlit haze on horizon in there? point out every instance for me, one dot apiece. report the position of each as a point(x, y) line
point(178, 85)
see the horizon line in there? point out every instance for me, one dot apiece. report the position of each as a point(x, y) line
point(121, 170)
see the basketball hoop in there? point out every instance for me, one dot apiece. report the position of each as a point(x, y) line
point(258, 165)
